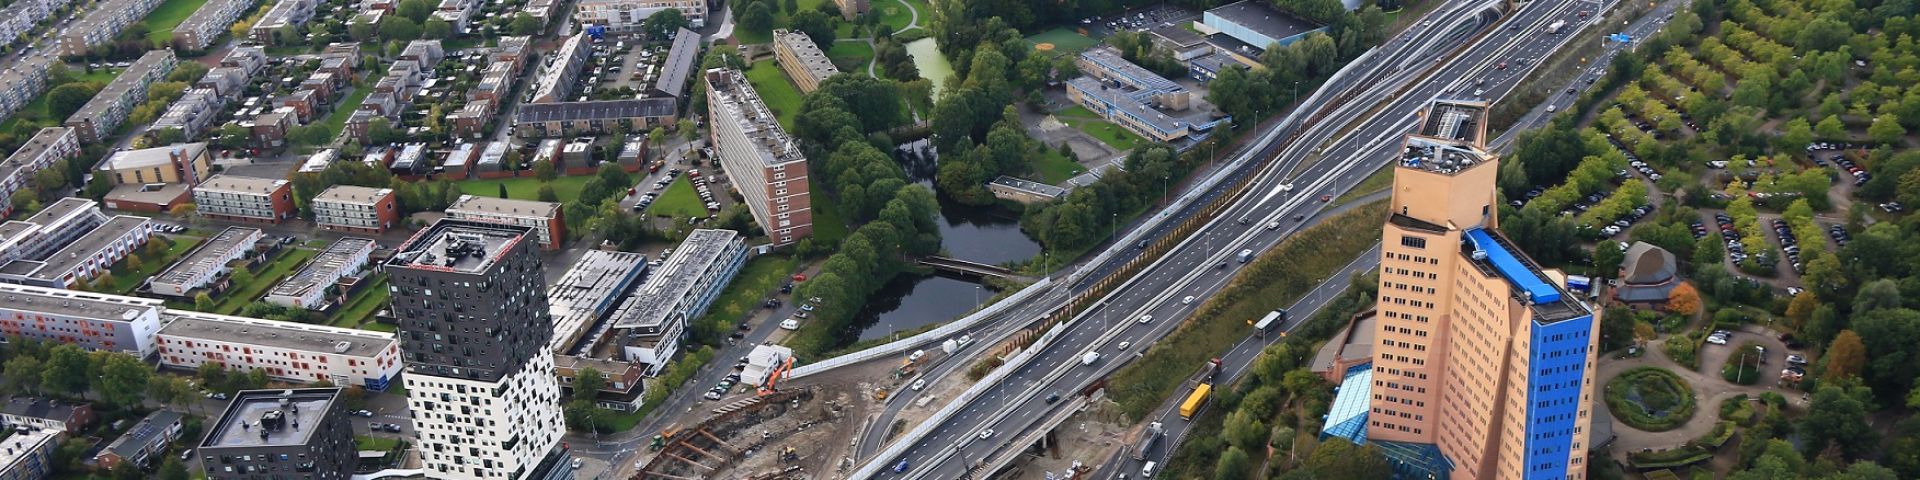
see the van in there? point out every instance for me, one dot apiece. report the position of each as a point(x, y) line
point(1147, 472)
point(790, 324)
point(1246, 255)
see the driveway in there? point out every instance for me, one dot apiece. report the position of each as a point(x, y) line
point(1709, 389)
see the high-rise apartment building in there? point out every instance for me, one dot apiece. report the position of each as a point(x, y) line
point(765, 164)
point(474, 327)
point(1483, 364)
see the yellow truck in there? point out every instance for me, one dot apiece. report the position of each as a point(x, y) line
point(1195, 400)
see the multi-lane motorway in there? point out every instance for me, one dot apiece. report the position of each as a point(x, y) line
point(987, 426)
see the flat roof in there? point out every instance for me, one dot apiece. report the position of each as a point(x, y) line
point(504, 206)
point(1264, 19)
point(209, 255)
point(223, 183)
point(679, 64)
point(1492, 253)
point(1456, 120)
point(152, 157)
point(303, 337)
point(1124, 99)
point(1029, 186)
point(131, 78)
point(589, 290)
point(654, 302)
point(1178, 35)
point(458, 246)
point(35, 146)
point(263, 418)
point(73, 303)
point(325, 267)
point(139, 194)
point(353, 194)
point(84, 248)
point(1145, 79)
point(61, 208)
point(730, 91)
point(811, 59)
point(595, 110)
point(149, 431)
point(20, 446)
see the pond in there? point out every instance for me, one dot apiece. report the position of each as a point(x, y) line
point(986, 235)
point(909, 302)
point(932, 64)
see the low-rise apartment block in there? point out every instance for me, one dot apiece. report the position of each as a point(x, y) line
point(245, 199)
point(283, 14)
point(558, 74)
point(803, 61)
point(288, 351)
point(47, 146)
point(270, 433)
point(586, 293)
point(22, 82)
point(208, 22)
point(349, 208)
point(84, 258)
point(544, 218)
point(628, 16)
point(100, 116)
point(205, 263)
point(143, 441)
point(651, 325)
point(19, 18)
point(538, 120)
point(678, 68)
point(102, 24)
point(33, 413)
point(29, 455)
point(92, 321)
point(318, 285)
point(766, 166)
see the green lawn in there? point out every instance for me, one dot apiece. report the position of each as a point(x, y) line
point(829, 226)
point(251, 286)
point(1053, 168)
point(1380, 180)
point(1076, 110)
point(525, 188)
point(336, 120)
point(37, 108)
point(358, 312)
point(895, 16)
point(1108, 133)
point(125, 281)
point(679, 201)
point(781, 96)
point(780, 20)
point(851, 57)
point(1063, 40)
point(381, 444)
point(168, 15)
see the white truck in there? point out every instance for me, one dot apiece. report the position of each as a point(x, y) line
point(1554, 28)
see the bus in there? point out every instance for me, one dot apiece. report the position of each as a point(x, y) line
point(1273, 321)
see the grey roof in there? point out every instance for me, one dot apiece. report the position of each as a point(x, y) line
point(1355, 342)
point(152, 157)
point(1029, 186)
point(595, 110)
point(237, 184)
point(1136, 75)
point(208, 255)
point(61, 208)
point(588, 291)
point(39, 408)
point(1178, 36)
point(486, 205)
point(1264, 19)
point(150, 430)
point(134, 77)
point(1123, 99)
point(325, 267)
point(1648, 264)
point(459, 246)
point(258, 418)
point(654, 302)
point(729, 92)
point(679, 65)
point(352, 194)
point(811, 57)
point(71, 303)
point(275, 334)
point(85, 247)
point(40, 142)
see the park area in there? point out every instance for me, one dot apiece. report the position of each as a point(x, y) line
point(526, 188)
point(1061, 41)
point(1650, 399)
point(167, 16)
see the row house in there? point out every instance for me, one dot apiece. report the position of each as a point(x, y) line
point(85, 258)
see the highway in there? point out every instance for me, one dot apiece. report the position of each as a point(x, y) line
point(1256, 222)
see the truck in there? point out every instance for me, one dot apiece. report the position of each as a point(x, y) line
point(1195, 400)
point(1554, 28)
point(1267, 325)
point(1147, 440)
point(1246, 255)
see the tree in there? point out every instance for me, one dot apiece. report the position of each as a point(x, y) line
point(1233, 465)
point(22, 375)
point(123, 379)
point(665, 22)
point(362, 31)
point(1607, 258)
point(547, 194)
point(757, 18)
point(416, 10)
point(1845, 356)
point(399, 29)
point(544, 170)
point(1798, 134)
point(1242, 429)
point(170, 390)
point(203, 302)
point(212, 375)
point(1800, 310)
point(63, 100)
point(655, 138)
point(688, 131)
point(1837, 417)
point(789, 6)
point(503, 190)
point(172, 469)
point(588, 380)
point(1684, 299)
point(1886, 129)
point(1830, 128)
point(815, 25)
point(1876, 295)
point(1342, 460)
point(524, 24)
point(436, 29)
point(65, 370)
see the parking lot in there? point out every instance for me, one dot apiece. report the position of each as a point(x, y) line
point(1140, 19)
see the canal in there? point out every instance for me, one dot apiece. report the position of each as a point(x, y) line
point(932, 64)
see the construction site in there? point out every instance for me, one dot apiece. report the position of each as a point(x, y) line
point(775, 436)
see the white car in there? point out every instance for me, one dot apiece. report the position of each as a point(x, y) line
point(1124, 345)
point(985, 434)
point(918, 384)
point(1146, 318)
point(1717, 340)
point(1187, 301)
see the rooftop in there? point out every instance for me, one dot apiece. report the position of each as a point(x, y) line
point(39, 143)
point(84, 248)
point(275, 334)
point(142, 194)
point(594, 110)
point(813, 60)
point(1136, 75)
point(1462, 121)
point(133, 77)
point(588, 291)
point(353, 194)
point(63, 208)
point(1029, 186)
point(73, 303)
point(325, 267)
point(152, 157)
point(730, 92)
point(210, 255)
point(39, 408)
point(1440, 157)
point(486, 205)
point(679, 65)
point(22, 445)
point(1493, 254)
point(1129, 103)
point(1262, 18)
point(258, 418)
point(654, 302)
point(1178, 35)
point(223, 183)
point(458, 246)
point(149, 431)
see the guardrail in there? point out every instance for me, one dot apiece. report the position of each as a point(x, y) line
point(923, 338)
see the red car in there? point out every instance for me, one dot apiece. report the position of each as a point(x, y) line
point(1326, 198)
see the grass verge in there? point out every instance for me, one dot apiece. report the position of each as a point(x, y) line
point(1108, 133)
point(125, 281)
point(1381, 179)
point(336, 120)
point(1052, 168)
point(525, 188)
point(358, 313)
point(381, 444)
point(250, 285)
point(851, 57)
point(762, 274)
point(1278, 278)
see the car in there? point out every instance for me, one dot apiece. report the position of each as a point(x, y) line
point(1053, 397)
point(1570, 90)
point(1502, 66)
point(391, 427)
point(1187, 301)
point(916, 355)
point(1716, 340)
point(900, 467)
point(1326, 198)
point(1299, 217)
point(577, 463)
point(712, 395)
point(217, 396)
point(362, 413)
point(788, 288)
point(1796, 360)
point(186, 455)
point(801, 315)
point(986, 434)
point(1273, 225)
point(1124, 345)
point(1146, 318)
point(918, 384)
point(806, 307)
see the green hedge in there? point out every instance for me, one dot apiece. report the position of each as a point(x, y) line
point(1678, 457)
point(1721, 433)
point(1655, 384)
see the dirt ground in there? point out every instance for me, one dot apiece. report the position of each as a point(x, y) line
point(1089, 438)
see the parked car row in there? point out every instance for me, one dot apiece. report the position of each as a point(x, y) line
point(1699, 230)
point(706, 195)
point(1860, 175)
point(1627, 220)
point(1735, 251)
point(1789, 244)
point(1583, 204)
point(1839, 234)
point(725, 385)
point(1719, 337)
